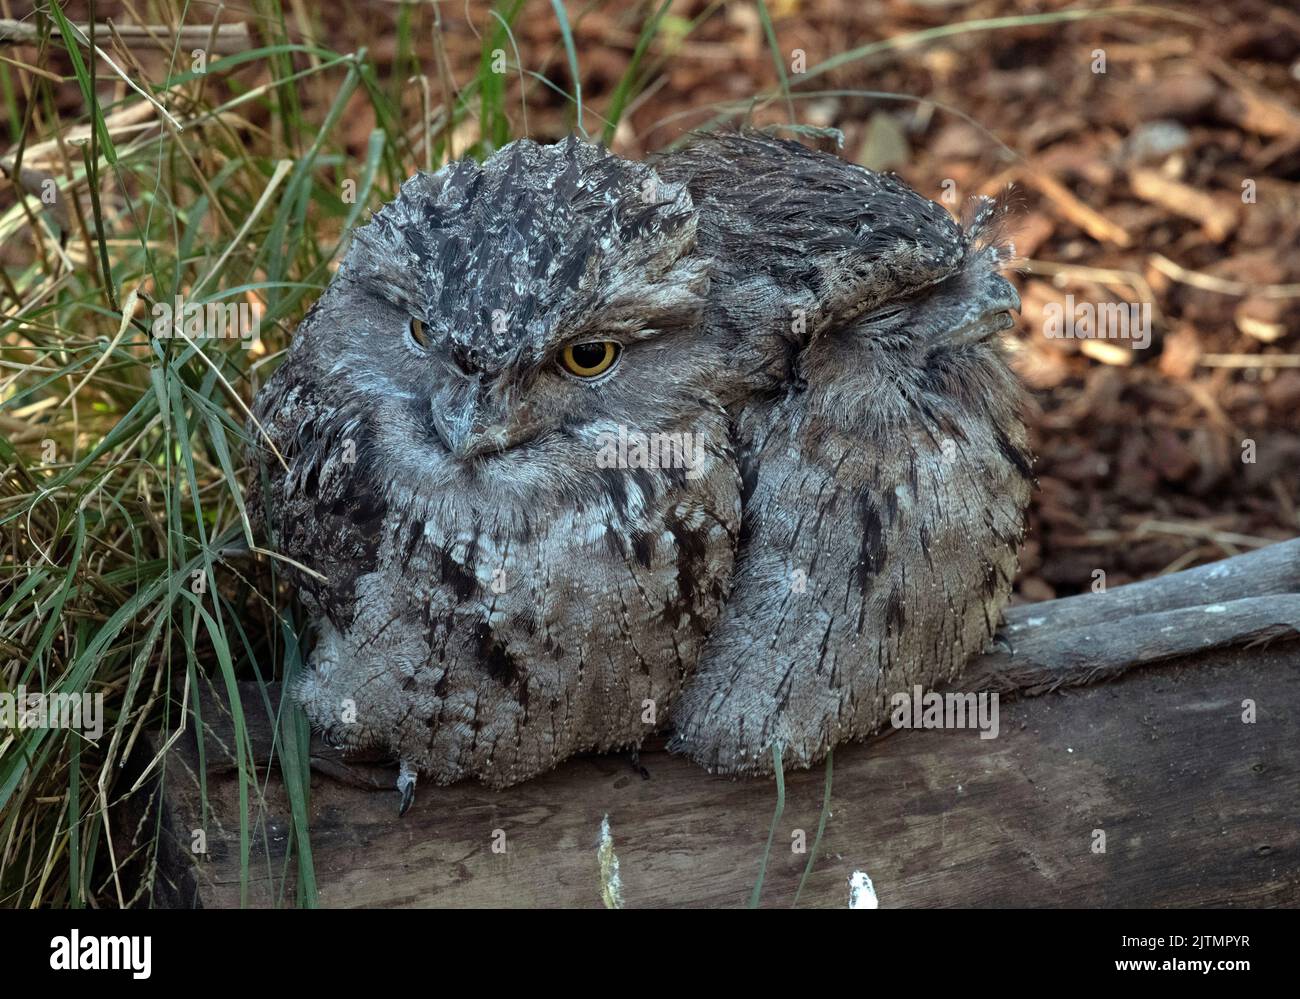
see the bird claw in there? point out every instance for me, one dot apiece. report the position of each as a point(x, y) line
point(1001, 642)
point(406, 786)
point(636, 765)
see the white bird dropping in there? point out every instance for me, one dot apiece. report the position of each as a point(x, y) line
point(862, 893)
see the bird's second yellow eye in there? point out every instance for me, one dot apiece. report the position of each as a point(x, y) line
point(589, 360)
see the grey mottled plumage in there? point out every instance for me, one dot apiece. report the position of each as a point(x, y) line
point(487, 599)
point(493, 600)
point(880, 443)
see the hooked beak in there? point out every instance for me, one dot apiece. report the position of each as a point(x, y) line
point(988, 311)
point(473, 424)
point(1001, 296)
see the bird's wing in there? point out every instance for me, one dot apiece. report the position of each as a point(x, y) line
point(310, 496)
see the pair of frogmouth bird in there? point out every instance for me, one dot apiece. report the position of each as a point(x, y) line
point(488, 598)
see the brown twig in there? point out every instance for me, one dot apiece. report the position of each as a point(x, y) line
point(227, 40)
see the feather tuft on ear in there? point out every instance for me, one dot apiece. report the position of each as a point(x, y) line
point(989, 224)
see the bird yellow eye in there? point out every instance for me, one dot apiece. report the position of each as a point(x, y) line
point(418, 334)
point(588, 360)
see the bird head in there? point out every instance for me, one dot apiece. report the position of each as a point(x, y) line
point(826, 271)
point(495, 318)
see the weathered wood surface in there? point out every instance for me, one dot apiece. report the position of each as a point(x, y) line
point(1239, 602)
point(1198, 806)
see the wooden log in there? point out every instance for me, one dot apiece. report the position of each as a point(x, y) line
point(1191, 772)
point(1044, 658)
point(1264, 572)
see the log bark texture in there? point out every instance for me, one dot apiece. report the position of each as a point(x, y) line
point(1190, 772)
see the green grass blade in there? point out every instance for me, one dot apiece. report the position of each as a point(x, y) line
point(625, 88)
point(757, 893)
point(821, 826)
point(562, 17)
point(778, 60)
